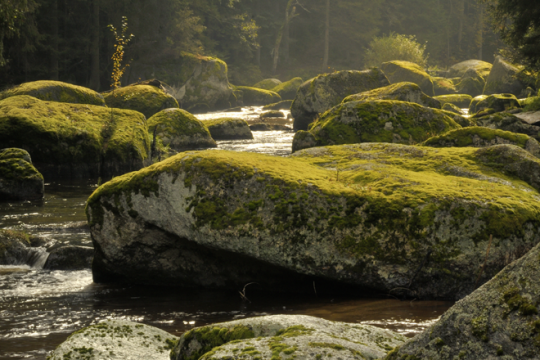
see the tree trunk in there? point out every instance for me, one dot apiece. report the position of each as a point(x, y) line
point(461, 10)
point(481, 33)
point(94, 73)
point(326, 37)
point(286, 43)
point(53, 72)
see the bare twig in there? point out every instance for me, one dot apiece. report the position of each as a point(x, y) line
point(243, 292)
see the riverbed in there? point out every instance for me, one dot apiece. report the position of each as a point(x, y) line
point(40, 308)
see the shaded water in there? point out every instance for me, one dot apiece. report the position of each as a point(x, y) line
point(40, 308)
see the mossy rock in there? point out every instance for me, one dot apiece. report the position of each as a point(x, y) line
point(503, 78)
point(272, 114)
point(73, 140)
point(303, 140)
point(443, 86)
point(288, 89)
point(49, 90)
point(256, 97)
point(478, 66)
point(404, 91)
point(375, 211)
point(19, 180)
point(378, 121)
point(228, 129)
point(405, 71)
point(472, 83)
point(452, 108)
point(145, 99)
point(320, 94)
point(285, 336)
point(116, 339)
point(179, 130)
point(460, 100)
point(500, 320)
point(269, 127)
point(498, 102)
point(282, 105)
point(474, 103)
point(530, 104)
point(14, 153)
point(477, 136)
point(69, 258)
point(509, 122)
point(13, 247)
point(267, 84)
point(464, 121)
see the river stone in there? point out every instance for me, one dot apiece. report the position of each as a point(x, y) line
point(325, 91)
point(498, 102)
point(460, 69)
point(116, 339)
point(404, 91)
point(509, 122)
point(477, 136)
point(406, 71)
point(19, 179)
point(503, 79)
point(390, 217)
point(500, 320)
point(180, 130)
point(286, 337)
point(267, 84)
point(288, 89)
point(74, 141)
point(378, 121)
point(228, 129)
point(475, 101)
point(146, 99)
point(49, 90)
point(70, 257)
point(13, 247)
point(257, 97)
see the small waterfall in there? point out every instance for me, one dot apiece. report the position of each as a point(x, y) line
point(36, 257)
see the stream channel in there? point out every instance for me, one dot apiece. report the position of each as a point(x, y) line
point(40, 308)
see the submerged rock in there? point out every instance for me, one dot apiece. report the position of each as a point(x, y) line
point(477, 136)
point(256, 97)
point(500, 320)
point(49, 90)
point(378, 121)
point(146, 99)
point(288, 89)
point(70, 258)
point(180, 130)
point(73, 141)
point(228, 129)
point(323, 92)
point(404, 91)
point(405, 71)
point(19, 179)
point(402, 219)
point(286, 336)
point(116, 339)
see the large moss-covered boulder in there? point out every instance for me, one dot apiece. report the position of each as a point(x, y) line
point(404, 91)
point(116, 339)
point(460, 69)
point(198, 82)
point(377, 121)
point(498, 103)
point(145, 99)
point(460, 100)
point(323, 92)
point(288, 89)
point(475, 101)
point(509, 122)
point(405, 71)
point(503, 78)
point(19, 179)
point(472, 83)
point(500, 320)
point(256, 97)
point(267, 84)
point(73, 140)
point(287, 337)
point(228, 129)
point(443, 86)
point(411, 220)
point(477, 136)
point(179, 130)
point(49, 90)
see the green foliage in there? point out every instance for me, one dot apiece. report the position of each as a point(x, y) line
point(13, 14)
point(395, 47)
point(122, 40)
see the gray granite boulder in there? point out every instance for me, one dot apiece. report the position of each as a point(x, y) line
point(70, 258)
point(286, 337)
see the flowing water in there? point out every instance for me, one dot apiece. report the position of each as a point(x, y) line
point(40, 308)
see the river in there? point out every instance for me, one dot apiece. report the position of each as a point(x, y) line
point(40, 308)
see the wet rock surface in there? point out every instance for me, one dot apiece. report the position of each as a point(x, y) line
point(70, 258)
point(19, 179)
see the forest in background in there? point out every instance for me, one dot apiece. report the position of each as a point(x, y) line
point(70, 40)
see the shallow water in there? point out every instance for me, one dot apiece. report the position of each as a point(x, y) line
point(40, 308)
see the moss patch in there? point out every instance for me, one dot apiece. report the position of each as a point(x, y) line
point(466, 137)
point(254, 97)
point(288, 89)
point(145, 99)
point(405, 71)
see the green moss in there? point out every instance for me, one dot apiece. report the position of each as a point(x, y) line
point(443, 86)
point(267, 84)
point(55, 91)
point(460, 100)
point(403, 91)
point(531, 104)
point(405, 71)
point(253, 97)
point(515, 301)
point(480, 328)
point(282, 105)
point(15, 153)
point(327, 345)
point(272, 114)
point(145, 99)
point(211, 337)
point(499, 103)
point(288, 89)
point(228, 129)
point(60, 133)
point(474, 103)
point(464, 137)
point(19, 170)
point(452, 108)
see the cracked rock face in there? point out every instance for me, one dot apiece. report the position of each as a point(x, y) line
point(403, 219)
point(286, 337)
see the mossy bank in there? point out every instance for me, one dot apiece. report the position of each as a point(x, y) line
point(406, 219)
